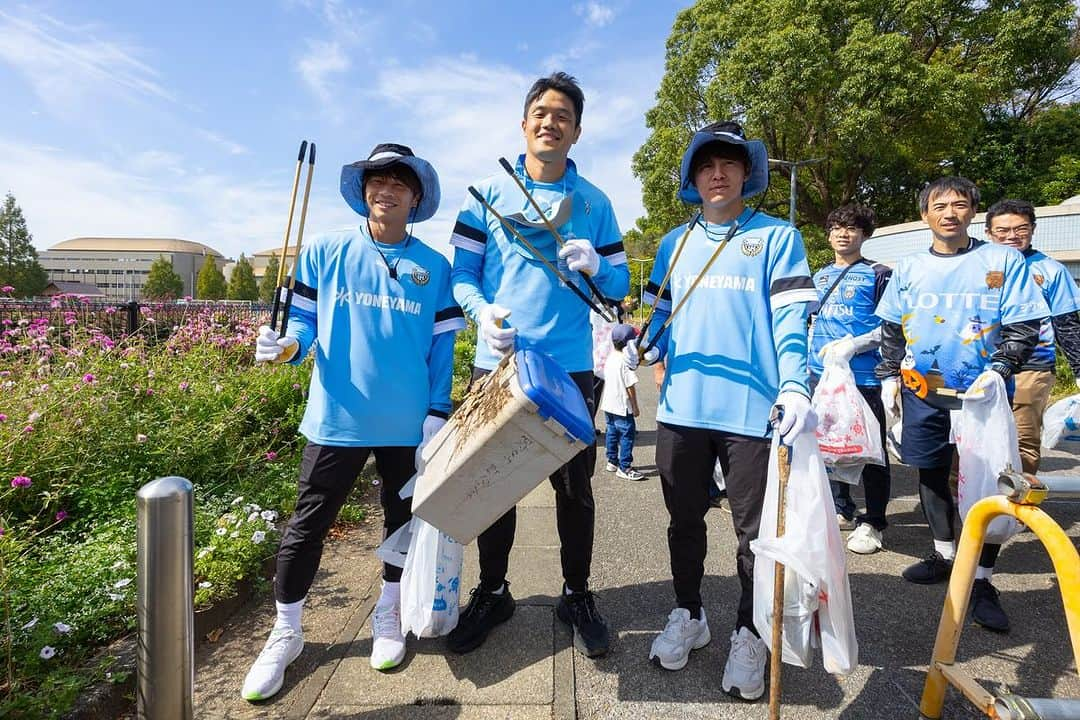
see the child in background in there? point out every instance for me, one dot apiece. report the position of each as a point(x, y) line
point(619, 403)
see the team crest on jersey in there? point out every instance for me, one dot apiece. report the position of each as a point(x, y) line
point(823, 281)
point(1039, 279)
point(752, 246)
point(995, 279)
point(849, 292)
point(420, 276)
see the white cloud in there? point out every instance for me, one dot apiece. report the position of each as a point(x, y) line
point(595, 14)
point(229, 146)
point(319, 64)
point(68, 68)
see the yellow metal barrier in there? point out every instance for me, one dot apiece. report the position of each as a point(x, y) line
point(1066, 565)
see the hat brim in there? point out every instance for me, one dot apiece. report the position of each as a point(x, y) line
point(352, 184)
point(755, 183)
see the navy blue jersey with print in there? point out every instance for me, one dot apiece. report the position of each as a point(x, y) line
point(492, 267)
point(952, 307)
point(849, 310)
point(384, 346)
point(1061, 295)
point(740, 338)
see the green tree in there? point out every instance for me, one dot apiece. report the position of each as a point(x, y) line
point(242, 285)
point(19, 266)
point(269, 281)
point(210, 284)
point(162, 282)
point(867, 85)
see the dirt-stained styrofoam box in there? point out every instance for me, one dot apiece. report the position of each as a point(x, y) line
point(522, 422)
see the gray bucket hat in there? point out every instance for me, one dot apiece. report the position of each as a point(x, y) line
point(732, 134)
point(384, 155)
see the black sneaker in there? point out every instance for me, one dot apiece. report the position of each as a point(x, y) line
point(986, 608)
point(578, 609)
point(484, 611)
point(930, 571)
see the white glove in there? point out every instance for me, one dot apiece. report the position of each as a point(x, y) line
point(796, 415)
point(890, 398)
point(272, 348)
point(980, 388)
point(500, 339)
point(432, 425)
point(842, 349)
point(580, 256)
point(631, 358)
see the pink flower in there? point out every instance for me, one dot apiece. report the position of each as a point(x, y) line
point(3, 417)
point(7, 289)
point(28, 429)
point(149, 391)
point(110, 310)
point(21, 481)
point(61, 515)
point(184, 385)
point(271, 456)
point(296, 386)
point(88, 378)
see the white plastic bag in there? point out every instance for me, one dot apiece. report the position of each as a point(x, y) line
point(718, 477)
point(1061, 425)
point(847, 431)
point(986, 443)
point(817, 595)
point(430, 582)
point(395, 548)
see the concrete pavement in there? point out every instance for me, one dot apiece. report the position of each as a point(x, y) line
point(527, 669)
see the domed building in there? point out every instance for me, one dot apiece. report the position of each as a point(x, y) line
point(118, 266)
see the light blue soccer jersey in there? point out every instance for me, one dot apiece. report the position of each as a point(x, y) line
point(493, 267)
point(383, 346)
point(1061, 295)
point(952, 307)
point(849, 310)
point(740, 338)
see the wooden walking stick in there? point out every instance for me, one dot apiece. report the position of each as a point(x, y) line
point(783, 465)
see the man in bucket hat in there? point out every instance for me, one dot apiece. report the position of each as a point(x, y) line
point(736, 351)
point(376, 305)
point(497, 278)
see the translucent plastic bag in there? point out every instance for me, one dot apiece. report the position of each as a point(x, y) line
point(986, 443)
point(395, 548)
point(817, 595)
point(1061, 425)
point(847, 431)
point(430, 582)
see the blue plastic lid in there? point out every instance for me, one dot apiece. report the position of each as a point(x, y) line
point(554, 393)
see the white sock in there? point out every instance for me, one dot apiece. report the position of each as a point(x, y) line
point(984, 573)
point(500, 591)
point(288, 614)
point(945, 549)
point(391, 593)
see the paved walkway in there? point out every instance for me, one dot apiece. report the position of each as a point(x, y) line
point(527, 669)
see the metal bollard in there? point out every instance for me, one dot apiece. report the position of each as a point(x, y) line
point(166, 658)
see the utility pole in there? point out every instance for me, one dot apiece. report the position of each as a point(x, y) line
point(793, 168)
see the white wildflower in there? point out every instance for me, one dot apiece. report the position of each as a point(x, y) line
point(220, 531)
point(269, 515)
point(30, 625)
point(121, 583)
point(62, 628)
point(258, 537)
point(47, 652)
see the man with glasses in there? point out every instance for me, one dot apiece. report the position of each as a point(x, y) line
point(845, 327)
point(1012, 223)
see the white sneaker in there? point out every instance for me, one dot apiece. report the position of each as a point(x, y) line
point(611, 467)
point(744, 672)
point(387, 642)
point(844, 523)
point(672, 647)
point(866, 540)
point(267, 673)
point(629, 474)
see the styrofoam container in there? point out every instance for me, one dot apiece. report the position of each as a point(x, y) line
point(522, 422)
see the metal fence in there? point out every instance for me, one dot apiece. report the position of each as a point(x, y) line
point(155, 320)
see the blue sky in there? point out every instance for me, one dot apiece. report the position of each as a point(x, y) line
point(183, 119)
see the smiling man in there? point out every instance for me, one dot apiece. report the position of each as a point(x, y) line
point(951, 314)
point(515, 299)
point(734, 352)
point(376, 306)
point(1012, 223)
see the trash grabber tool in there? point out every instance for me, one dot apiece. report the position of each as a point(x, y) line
point(285, 242)
point(776, 648)
point(290, 281)
point(667, 276)
point(712, 258)
point(536, 253)
point(607, 315)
